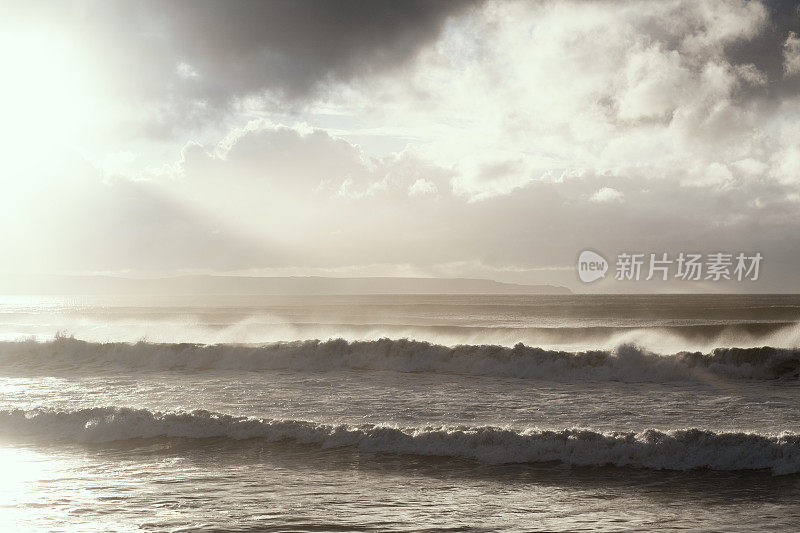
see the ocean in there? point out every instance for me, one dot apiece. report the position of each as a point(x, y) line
point(400, 413)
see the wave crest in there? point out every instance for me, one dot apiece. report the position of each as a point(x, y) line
point(673, 450)
point(626, 363)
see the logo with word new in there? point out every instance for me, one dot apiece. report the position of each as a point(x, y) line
point(684, 266)
point(591, 266)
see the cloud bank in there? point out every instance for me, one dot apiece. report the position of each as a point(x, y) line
point(494, 139)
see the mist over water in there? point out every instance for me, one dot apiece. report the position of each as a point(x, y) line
point(662, 324)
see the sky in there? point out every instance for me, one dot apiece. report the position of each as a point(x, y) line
point(415, 138)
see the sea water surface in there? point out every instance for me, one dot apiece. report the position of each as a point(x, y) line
point(400, 413)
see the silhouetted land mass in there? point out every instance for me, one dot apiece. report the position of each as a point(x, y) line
point(235, 285)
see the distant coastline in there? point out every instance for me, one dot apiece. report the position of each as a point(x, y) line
point(286, 286)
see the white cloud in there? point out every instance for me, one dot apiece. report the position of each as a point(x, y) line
point(422, 187)
point(522, 91)
point(751, 167)
point(713, 175)
point(791, 55)
point(655, 83)
point(186, 71)
point(606, 195)
point(751, 75)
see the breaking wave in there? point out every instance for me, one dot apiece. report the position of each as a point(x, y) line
point(651, 449)
point(625, 363)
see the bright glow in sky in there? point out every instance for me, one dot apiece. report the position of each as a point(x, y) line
point(47, 94)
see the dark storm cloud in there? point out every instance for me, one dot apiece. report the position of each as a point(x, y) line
point(294, 45)
point(172, 55)
point(765, 51)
